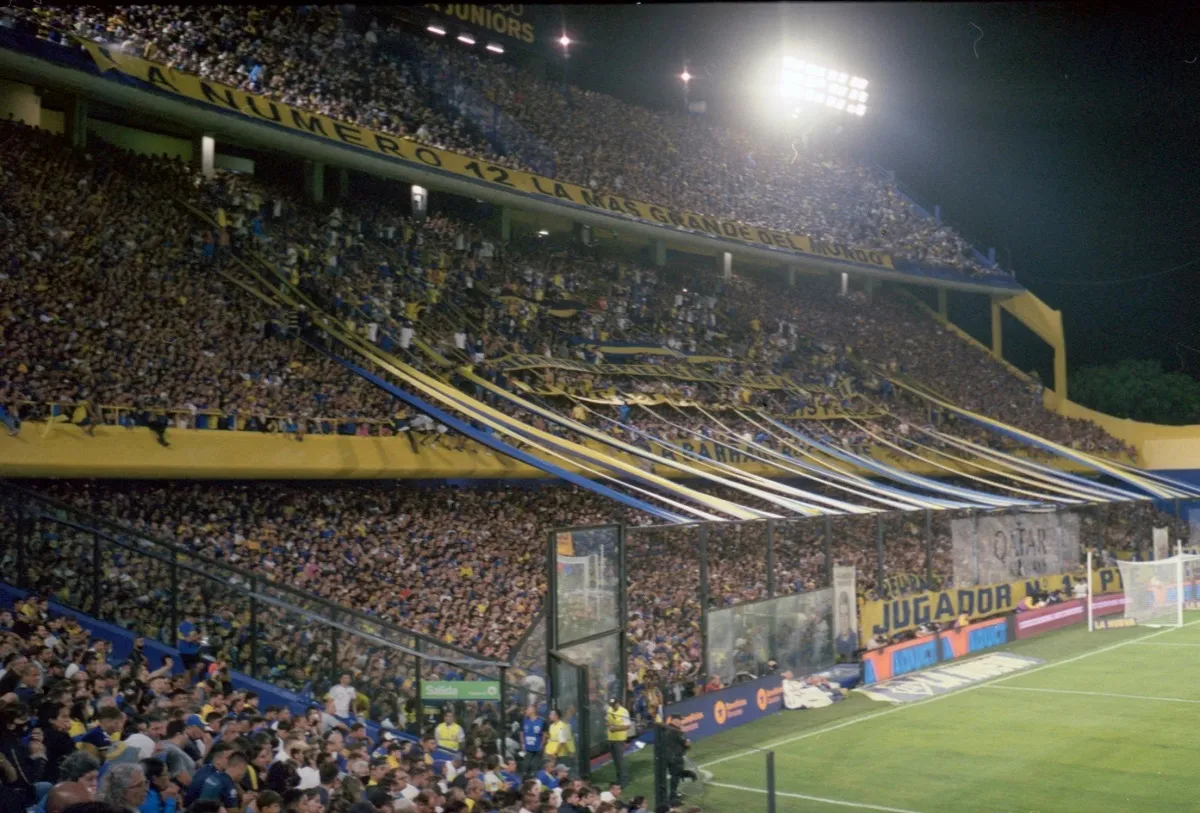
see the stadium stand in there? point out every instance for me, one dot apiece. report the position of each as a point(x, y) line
point(370, 72)
point(124, 302)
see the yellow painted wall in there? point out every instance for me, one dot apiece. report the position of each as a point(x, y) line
point(1159, 447)
point(65, 451)
point(54, 121)
point(19, 101)
point(141, 141)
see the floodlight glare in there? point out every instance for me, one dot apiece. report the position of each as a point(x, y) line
point(494, 48)
point(564, 40)
point(822, 86)
point(435, 29)
point(685, 76)
point(466, 39)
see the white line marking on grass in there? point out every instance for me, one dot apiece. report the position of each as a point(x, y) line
point(1093, 694)
point(935, 698)
point(1161, 643)
point(859, 805)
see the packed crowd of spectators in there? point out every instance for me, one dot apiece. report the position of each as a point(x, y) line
point(83, 730)
point(180, 354)
point(466, 567)
point(353, 67)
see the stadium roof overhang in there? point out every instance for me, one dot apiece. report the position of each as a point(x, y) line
point(230, 126)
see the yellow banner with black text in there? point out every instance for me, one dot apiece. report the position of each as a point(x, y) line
point(890, 616)
point(261, 108)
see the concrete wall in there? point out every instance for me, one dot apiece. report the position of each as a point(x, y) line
point(18, 101)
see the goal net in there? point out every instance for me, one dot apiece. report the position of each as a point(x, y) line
point(1155, 592)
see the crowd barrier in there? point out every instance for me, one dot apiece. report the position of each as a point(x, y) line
point(712, 713)
point(921, 653)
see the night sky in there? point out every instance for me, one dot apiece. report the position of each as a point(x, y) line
point(1071, 142)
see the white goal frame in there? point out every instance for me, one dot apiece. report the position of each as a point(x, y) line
point(1180, 586)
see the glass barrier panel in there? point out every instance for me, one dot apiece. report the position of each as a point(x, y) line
point(135, 591)
point(602, 657)
point(663, 567)
point(568, 684)
point(586, 579)
point(12, 540)
point(527, 675)
point(219, 609)
point(59, 562)
point(802, 631)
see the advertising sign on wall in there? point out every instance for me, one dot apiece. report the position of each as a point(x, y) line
point(728, 708)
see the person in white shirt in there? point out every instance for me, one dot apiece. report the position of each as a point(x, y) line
point(343, 697)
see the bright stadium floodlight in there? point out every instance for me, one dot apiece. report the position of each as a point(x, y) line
point(494, 48)
point(807, 82)
point(436, 29)
point(564, 41)
point(685, 76)
point(466, 39)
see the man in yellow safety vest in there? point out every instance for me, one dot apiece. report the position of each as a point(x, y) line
point(619, 725)
point(449, 734)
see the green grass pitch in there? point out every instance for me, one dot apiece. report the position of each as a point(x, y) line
point(1107, 725)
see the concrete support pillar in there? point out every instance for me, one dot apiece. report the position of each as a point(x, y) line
point(943, 308)
point(871, 289)
point(505, 224)
point(420, 203)
point(660, 253)
point(343, 183)
point(997, 331)
point(583, 232)
point(791, 274)
point(314, 181)
point(208, 156)
point(845, 289)
point(726, 266)
point(75, 121)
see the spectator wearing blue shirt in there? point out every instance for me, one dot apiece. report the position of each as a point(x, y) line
point(532, 738)
point(163, 795)
point(109, 721)
point(547, 776)
point(189, 644)
point(222, 786)
point(218, 759)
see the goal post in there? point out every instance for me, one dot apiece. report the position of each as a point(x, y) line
point(1155, 592)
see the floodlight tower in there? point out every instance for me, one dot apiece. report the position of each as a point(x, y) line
point(813, 95)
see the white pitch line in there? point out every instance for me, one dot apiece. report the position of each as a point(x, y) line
point(936, 698)
point(859, 805)
point(1162, 643)
point(1094, 694)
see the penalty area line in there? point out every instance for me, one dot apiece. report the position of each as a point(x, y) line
point(919, 703)
point(821, 799)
